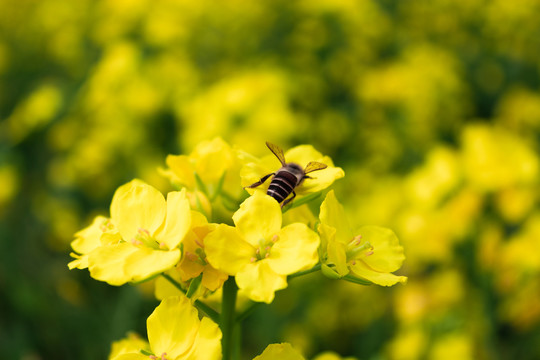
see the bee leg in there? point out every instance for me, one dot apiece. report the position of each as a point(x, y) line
point(263, 179)
point(288, 200)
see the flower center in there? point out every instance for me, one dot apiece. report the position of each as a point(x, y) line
point(106, 225)
point(143, 238)
point(357, 248)
point(263, 251)
point(162, 357)
point(199, 256)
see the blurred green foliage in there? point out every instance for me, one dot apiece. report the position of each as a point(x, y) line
point(431, 107)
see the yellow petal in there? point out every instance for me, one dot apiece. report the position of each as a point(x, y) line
point(213, 279)
point(303, 154)
point(80, 262)
point(258, 218)
point(321, 179)
point(387, 252)
point(110, 238)
point(178, 220)
point(279, 351)
point(259, 282)
point(333, 215)
point(163, 287)
point(131, 344)
point(207, 345)
point(197, 219)
point(189, 269)
point(148, 262)
point(361, 270)
point(172, 327)
point(226, 250)
point(130, 356)
point(87, 239)
point(181, 170)
point(107, 263)
point(212, 159)
point(121, 263)
point(254, 169)
point(295, 250)
point(137, 206)
point(337, 255)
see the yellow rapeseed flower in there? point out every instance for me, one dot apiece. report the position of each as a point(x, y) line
point(212, 164)
point(194, 261)
point(282, 351)
point(131, 344)
point(86, 240)
point(176, 333)
point(151, 228)
point(258, 251)
point(372, 254)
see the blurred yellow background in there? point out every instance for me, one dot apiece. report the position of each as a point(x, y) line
point(432, 108)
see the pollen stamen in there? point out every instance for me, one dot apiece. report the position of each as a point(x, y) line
point(199, 243)
point(143, 231)
point(357, 248)
point(190, 256)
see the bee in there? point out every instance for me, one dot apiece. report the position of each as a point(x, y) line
point(287, 178)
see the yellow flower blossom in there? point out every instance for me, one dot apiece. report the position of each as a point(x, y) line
point(329, 355)
point(254, 169)
point(131, 344)
point(176, 333)
point(282, 351)
point(194, 261)
point(90, 238)
point(215, 164)
point(372, 254)
point(151, 229)
point(258, 251)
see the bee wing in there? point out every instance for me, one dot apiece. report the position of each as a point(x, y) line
point(278, 152)
point(314, 166)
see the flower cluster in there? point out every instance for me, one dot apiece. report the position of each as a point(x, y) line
point(187, 239)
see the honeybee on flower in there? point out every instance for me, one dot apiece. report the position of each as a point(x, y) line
point(290, 177)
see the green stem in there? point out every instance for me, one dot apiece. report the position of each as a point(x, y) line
point(228, 314)
point(305, 272)
point(211, 313)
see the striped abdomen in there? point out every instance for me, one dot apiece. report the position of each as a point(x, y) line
point(282, 185)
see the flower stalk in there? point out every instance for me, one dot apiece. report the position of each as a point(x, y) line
point(228, 314)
